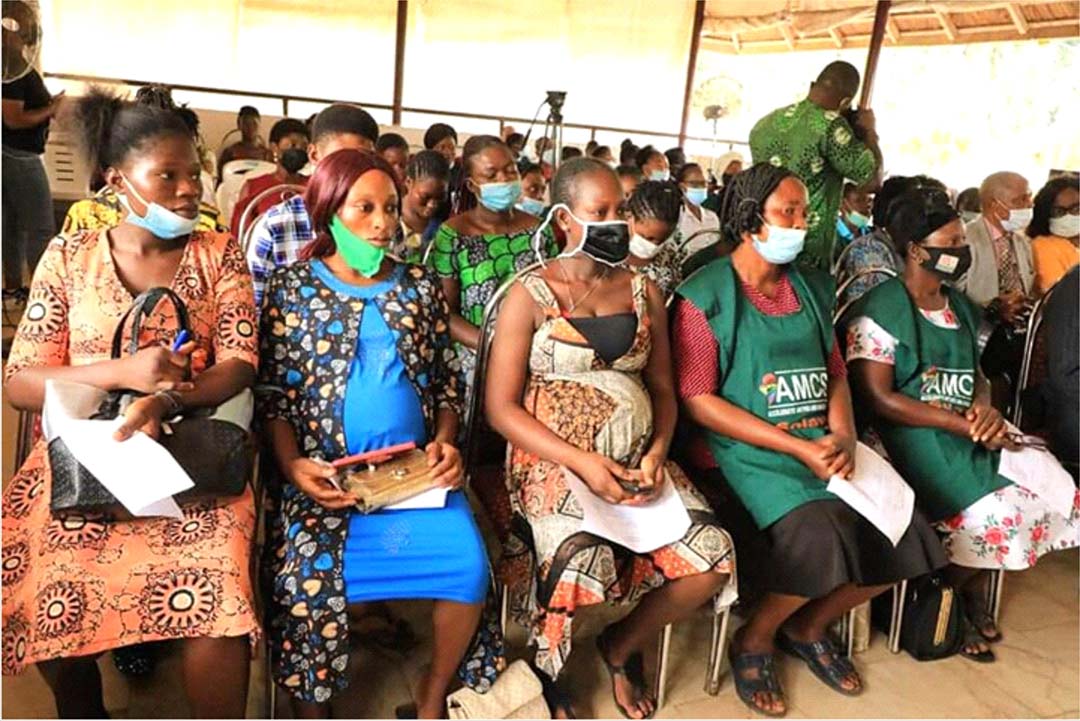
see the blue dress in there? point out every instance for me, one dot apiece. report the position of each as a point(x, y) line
point(412, 554)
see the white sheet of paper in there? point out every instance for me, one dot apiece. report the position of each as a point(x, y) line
point(139, 471)
point(431, 498)
point(639, 528)
point(878, 493)
point(1038, 471)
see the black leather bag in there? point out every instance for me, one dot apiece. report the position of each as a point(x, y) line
point(934, 625)
point(213, 445)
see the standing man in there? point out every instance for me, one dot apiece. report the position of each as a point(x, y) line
point(813, 140)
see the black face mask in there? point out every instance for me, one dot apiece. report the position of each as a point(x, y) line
point(607, 242)
point(293, 159)
point(949, 264)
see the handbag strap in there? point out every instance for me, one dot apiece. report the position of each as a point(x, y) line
point(143, 306)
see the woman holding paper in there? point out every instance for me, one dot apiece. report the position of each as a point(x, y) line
point(579, 382)
point(914, 360)
point(760, 372)
point(356, 354)
point(75, 587)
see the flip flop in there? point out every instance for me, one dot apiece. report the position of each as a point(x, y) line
point(971, 637)
point(766, 682)
point(632, 670)
point(831, 674)
point(979, 618)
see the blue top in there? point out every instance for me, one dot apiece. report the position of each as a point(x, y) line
point(382, 407)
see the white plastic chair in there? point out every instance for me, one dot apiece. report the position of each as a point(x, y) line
point(474, 412)
point(287, 190)
point(233, 175)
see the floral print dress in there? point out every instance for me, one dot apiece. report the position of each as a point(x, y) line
point(83, 585)
point(551, 567)
point(1009, 528)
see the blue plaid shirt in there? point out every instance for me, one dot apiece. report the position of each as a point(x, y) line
point(277, 240)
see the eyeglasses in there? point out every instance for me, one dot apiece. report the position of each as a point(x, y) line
point(1059, 212)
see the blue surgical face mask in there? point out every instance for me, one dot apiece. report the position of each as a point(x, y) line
point(548, 156)
point(159, 220)
point(661, 175)
point(858, 219)
point(532, 206)
point(498, 197)
point(782, 245)
point(697, 196)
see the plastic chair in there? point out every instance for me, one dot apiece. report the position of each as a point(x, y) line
point(28, 431)
point(233, 175)
point(842, 288)
point(838, 264)
point(474, 412)
point(246, 217)
point(1034, 325)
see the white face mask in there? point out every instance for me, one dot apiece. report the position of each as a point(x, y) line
point(642, 248)
point(1067, 226)
point(1019, 218)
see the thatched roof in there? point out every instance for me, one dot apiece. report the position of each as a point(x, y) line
point(763, 26)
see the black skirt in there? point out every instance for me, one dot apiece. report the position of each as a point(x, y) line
point(823, 545)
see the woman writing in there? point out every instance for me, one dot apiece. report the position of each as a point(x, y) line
point(760, 372)
point(580, 382)
point(82, 585)
point(391, 351)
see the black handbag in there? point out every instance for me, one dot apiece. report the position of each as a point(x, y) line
point(214, 446)
point(933, 625)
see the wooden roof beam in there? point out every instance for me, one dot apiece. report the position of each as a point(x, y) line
point(1017, 15)
point(947, 25)
point(892, 30)
point(837, 37)
point(789, 35)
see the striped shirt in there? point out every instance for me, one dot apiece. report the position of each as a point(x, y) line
point(277, 240)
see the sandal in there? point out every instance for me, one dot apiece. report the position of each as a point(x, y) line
point(974, 637)
point(766, 681)
point(632, 670)
point(831, 674)
point(389, 633)
point(557, 700)
point(980, 619)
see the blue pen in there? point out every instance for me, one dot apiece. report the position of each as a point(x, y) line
point(181, 339)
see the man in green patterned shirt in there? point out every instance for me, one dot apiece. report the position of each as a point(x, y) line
point(813, 140)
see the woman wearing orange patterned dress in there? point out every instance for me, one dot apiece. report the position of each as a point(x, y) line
point(82, 585)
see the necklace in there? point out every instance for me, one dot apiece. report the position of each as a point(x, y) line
point(575, 303)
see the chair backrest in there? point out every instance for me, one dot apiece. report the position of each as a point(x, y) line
point(475, 410)
point(28, 431)
point(838, 265)
point(233, 175)
point(842, 288)
point(1032, 345)
point(287, 191)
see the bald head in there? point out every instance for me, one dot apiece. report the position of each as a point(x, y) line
point(836, 86)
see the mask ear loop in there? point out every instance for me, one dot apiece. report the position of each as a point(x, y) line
point(537, 245)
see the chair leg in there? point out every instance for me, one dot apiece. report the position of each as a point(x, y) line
point(271, 688)
point(717, 650)
point(994, 588)
point(849, 633)
point(504, 607)
point(662, 664)
point(899, 592)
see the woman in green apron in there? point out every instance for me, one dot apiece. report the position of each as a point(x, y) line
point(912, 348)
point(760, 372)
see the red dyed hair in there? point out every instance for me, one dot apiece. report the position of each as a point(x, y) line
point(330, 184)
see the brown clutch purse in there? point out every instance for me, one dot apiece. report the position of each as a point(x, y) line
point(386, 480)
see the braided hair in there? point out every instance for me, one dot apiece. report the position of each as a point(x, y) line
point(657, 199)
point(744, 199)
point(428, 164)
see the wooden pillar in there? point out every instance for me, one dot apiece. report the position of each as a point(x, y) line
point(399, 58)
point(877, 37)
point(695, 43)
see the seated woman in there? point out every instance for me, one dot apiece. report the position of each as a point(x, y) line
point(912, 351)
point(695, 219)
point(394, 149)
point(533, 189)
point(580, 380)
point(427, 178)
point(759, 370)
point(75, 587)
point(476, 251)
point(653, 164)
point(654, 210)
point(1055, 232)
point(391, 353)
point(289, 140)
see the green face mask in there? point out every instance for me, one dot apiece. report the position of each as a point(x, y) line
point(359, 254)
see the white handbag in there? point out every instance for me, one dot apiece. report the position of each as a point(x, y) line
point(516, 694)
